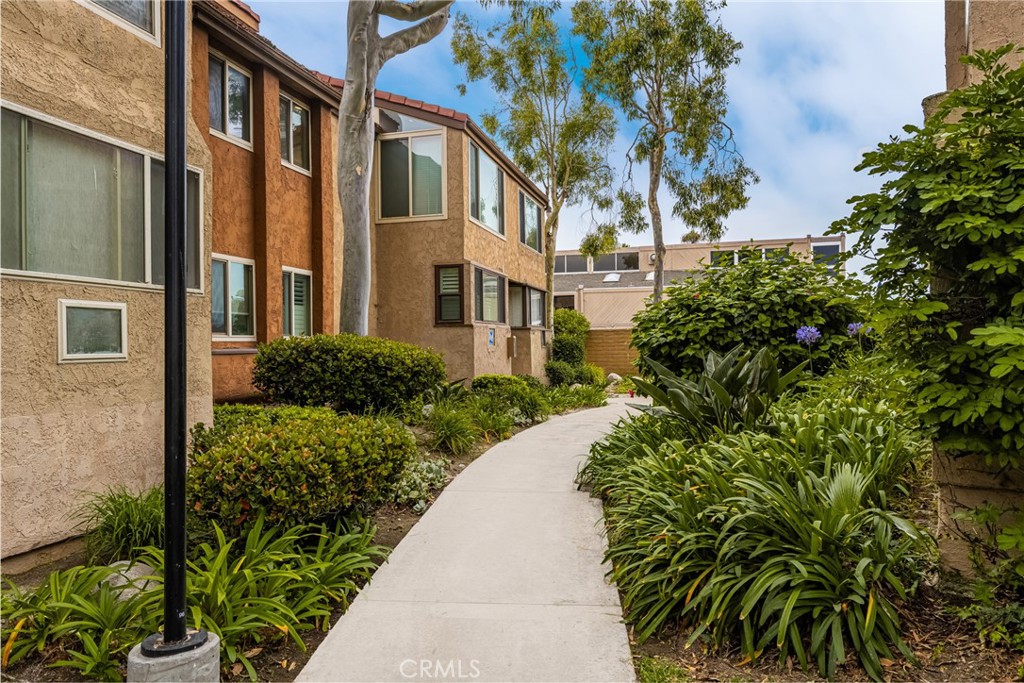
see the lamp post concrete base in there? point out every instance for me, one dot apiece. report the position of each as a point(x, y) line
point(200, 665)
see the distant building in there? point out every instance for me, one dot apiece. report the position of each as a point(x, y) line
point(612, 288)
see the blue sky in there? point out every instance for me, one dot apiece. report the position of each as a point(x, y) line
point(818, 84)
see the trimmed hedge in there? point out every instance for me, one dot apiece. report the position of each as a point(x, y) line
point(571, 350)
point(571, 323)
point(345, 371)
point(298, 469)
point(230, 418)
point(560, 373)
point(498, 382)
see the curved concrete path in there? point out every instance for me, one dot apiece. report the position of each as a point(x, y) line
point(502, 579)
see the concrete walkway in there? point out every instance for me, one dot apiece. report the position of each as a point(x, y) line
point(502, 579)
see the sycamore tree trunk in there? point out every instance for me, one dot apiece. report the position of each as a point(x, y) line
point(367, 53)
point(655, 161)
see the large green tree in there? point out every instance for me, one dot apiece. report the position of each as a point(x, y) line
point(557, 133)
point(663, 63)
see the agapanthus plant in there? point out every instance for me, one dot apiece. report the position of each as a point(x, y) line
point(808, 336)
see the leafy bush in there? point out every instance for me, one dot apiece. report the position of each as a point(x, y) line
point(758, 302)
point(419, 480)
point(570, 323)
point(451, 428)
point(117, 522)
point(489, 383)
point(571, 350)
point(532, 382)
point(560, 373)
point(348, 372)
point(592, 375)
point(492, 416)
point(298, 470)
point(563, 399)
point(230, 418)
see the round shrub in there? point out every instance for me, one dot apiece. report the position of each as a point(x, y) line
point(560, 373)
point(300, 469)
point(229, 418)
point(345, 371)
point(569, 350)
point(497, 382)
point(570, 323)
point(759, 303)
point(532, 382)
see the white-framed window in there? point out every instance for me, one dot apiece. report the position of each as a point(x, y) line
point(486, 191)
point(295, 134)
point(141, 17)
point(827, 253)
point(233, 297)
point(230, 100)
point(490, 297)
point(410, 172)
point(297, 307)
point(77, 205)
point(525, 306)
point(723, 257)
point(91, 331)
point(530, 222)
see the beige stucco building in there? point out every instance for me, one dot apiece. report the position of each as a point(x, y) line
point(81, 346)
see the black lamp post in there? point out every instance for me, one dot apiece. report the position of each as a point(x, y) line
point(176, 637)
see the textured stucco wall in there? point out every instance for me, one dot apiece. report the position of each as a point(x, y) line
point(992, 24)
point(69, 429)
point(531, 354)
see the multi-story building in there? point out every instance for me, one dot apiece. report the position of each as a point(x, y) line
point(611, 289)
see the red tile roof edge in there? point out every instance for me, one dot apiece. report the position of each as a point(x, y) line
point(245, 8)
point(395, 98)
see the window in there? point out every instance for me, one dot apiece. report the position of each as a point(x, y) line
point(525, 306)
point(230, 100)
point(565, 301)
point(827, 254)
point(722, 258)
point(776, 254)
point(76, 206)
point(448, 307)
point(486, 191)
point(297, 311)
point(294, 133)
point(233, 297)
point(570, 263)
point(536, 308)
point(604, 263)
point(649, 277)
point(627, 261)
point(612, 277)
point(490, 297)
point(92, 331)
point(133, 14)
point(530, 221)
point(411, 168)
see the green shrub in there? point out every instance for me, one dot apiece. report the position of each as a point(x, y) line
point(561, 373)
point(499, 383)
point(348, 372)
point(230, 418)
point(759, 303)
point(571, 350)
point(492, 416)
point(532, 382)
point(563, 399)
point(525, 404)
point(592, 375)
point(299, 469)
point(117, 522)
point(570, 323)
point(451, 428)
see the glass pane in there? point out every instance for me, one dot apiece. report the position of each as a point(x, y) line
point(426, 176)
point(574, 263)
point(137, 12)
point(10, 189)
point(238, 104)
point(722, 258)
point(72, 203)
point(777, 254)
point(451, 307)
point(604, 263)
point(92, 330)
point(536, 308)
point(286, 303)
point(489, 191)
point(827, 254)
point(156, 222)
point(300, 137)
point(490, 297)
point(393, 122)
point(133, 218)
point(302, 287)
point(448, 280)
point(241, 299)
point(394, 178)
point(516, 306)
point(216, 94)
point(565, 301)
point(286, 111)
point(630, 261)
point(218, 276)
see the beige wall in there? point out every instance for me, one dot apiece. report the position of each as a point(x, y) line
point(973, 25)
point(612, 308)
point(70, 429)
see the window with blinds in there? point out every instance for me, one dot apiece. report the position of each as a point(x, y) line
point(297, 290)
point(448, 308)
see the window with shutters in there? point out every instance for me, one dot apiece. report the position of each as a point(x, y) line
point(448, 308)
point(297, 309)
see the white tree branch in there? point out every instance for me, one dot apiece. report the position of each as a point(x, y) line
point(408, 38)
point(411, 11)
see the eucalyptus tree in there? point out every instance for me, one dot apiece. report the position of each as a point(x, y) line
point(556, 132)
point(368, 51)
point(663, 63)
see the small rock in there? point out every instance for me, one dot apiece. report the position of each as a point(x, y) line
point(576, 386)
point(129, 573)
point(612, 377)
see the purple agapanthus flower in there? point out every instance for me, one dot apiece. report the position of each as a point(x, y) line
point(808, 336)
point(853, 329)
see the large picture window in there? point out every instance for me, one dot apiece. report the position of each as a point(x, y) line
point(297, 288)
point(294, 133)
point(530, 222)
point(233, 297)
point(570, 263)
point(76, 206)
point(486, 191)
point(411, 168)
point(230, 100)
point(490, 297)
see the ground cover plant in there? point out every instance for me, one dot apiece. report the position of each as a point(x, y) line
point(761, 301)
point(761, 520)
point(118, 521)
